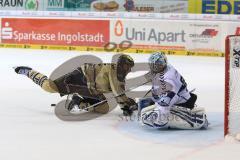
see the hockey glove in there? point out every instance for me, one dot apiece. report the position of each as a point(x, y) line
point(128, 111)
point(129, 106)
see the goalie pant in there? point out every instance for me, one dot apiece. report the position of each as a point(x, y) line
point(178, 118)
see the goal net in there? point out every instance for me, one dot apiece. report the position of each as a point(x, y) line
point(232, 87)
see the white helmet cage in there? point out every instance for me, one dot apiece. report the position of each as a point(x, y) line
point(156, 60)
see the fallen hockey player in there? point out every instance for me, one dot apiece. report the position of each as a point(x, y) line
point(89, 81)
point(171, 104)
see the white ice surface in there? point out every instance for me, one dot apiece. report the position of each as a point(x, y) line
point(29, 129)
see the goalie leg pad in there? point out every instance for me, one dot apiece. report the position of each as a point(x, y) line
point(183, 118)
point(152, 117)
point(179, 118)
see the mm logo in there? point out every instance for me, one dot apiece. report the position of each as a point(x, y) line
point(56, 3)
point(118, 28)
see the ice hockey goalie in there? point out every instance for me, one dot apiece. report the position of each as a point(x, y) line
point(171, 104)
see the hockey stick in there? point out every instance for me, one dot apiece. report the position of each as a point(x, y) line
point(103, 101)
point(147, 93)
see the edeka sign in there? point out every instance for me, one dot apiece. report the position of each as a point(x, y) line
point(150, 33)
point(214, 6)
point(55, 32)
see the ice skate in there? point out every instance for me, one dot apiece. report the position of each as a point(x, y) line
point(22, 70)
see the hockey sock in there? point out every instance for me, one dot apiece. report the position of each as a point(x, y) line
point(37, 77)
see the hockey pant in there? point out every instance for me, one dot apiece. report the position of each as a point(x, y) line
point(53, 87)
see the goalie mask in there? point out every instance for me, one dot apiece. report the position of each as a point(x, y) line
point(157, 62)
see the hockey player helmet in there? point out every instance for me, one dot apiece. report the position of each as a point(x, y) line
point(124, 65)
point(157, 62)
point(125, 59)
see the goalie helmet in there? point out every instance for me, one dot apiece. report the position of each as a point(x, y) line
point(157, 62)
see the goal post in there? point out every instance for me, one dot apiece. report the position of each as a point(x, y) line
point(232, 86)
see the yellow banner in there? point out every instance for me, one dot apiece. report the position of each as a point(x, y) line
point(214, 6)
point(130, 50)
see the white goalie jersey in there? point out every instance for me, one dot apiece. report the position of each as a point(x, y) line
point(170, 81)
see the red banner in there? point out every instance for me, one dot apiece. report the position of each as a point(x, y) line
point(55, 32)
